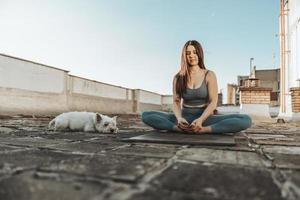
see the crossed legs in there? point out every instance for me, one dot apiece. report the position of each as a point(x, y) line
point(230, 123)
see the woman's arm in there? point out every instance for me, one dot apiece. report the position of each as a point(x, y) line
point(176, 101)
point(212, 89)
point(181, 122)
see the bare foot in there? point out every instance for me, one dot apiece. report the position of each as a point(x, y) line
point(205, 129)
point(178, 129)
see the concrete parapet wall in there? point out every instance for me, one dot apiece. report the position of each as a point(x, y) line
point(150, 97)
point(146, 106)
point(258, 112)
point(17, 101)
point(167, 99)
point(147, 100)
point(167, 103)
point(28, 87)
point(89, 87)
point(26, 75)
point(81, 102)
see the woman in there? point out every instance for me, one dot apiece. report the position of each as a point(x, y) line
point(195, 97)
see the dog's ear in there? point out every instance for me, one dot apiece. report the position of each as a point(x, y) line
point(98, 118)
point(115, 118)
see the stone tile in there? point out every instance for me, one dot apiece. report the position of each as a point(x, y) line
point(273, 139)
point(288, 132)
point(129, 133)
point(238, 147)
point(5, 117)
point(218, 182)
point(265, 136)
point(185, 139)
point(6, 130)
point(153, 193)
point(28, 159)
point(27, 186)
point(105, 139)
point(296, 137)
point(282, 150)
point(241, 138)
point(25, 124)
point(222, 156)
point(288, 142)
point(148, 150)
point(291, 185)
point(69, 136)
point(30, 141)
point(258, 131)
point(108, 166)
point(86, 147)
point(242, 144)
point(6, 148)
point(285, 161)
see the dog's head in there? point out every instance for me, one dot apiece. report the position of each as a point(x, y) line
point(106, 124)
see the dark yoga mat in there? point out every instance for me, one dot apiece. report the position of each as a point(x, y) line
point(179, 138)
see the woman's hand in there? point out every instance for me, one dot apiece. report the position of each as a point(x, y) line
point(183, 125)
point(196, 125)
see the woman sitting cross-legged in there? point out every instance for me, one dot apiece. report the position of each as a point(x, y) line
point(195, 97)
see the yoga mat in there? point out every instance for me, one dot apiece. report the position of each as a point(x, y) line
point(180, 138)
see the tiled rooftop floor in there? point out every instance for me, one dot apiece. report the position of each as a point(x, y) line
point(39, 164)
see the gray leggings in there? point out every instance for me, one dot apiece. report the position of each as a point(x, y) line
point(230, 123)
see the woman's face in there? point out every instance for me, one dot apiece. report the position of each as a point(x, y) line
point(191, 55)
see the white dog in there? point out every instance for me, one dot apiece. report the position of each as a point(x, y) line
point(85, 121)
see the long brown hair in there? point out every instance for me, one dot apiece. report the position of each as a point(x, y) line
point(184, 75)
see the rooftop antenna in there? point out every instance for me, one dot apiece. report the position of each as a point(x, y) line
point(274, 56)
point(251, 60)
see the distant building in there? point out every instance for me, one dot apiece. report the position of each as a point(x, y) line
point(241, 80)
point(270, 78)
point(220, 99)
point(232, 94)
point(266, 78)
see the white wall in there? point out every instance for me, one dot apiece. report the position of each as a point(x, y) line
point(94, 88)
point(20, 74)
point(167, 99)
point(294, 42)
point(149, 97)
point(27, 87)
point(292, 56)
point(167, 103)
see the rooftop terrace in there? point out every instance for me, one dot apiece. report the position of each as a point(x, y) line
point(36, 163)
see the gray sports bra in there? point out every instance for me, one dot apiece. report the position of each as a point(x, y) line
point(197, 96)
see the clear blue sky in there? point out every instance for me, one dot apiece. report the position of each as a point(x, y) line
point(137, 43)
